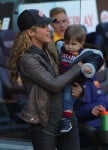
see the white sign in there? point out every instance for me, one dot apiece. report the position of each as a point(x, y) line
point(5, 23)
point(83, 12)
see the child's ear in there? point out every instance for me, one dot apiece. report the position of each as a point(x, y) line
point(51, 24)
point(82, 43)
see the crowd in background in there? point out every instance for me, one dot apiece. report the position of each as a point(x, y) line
point(95, 99)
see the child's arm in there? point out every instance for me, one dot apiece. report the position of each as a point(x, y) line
point(92, 59)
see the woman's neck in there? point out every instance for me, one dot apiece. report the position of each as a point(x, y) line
point(38, 44)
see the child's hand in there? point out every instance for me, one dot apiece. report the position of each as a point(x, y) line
point(97, 109)
point(87, 69)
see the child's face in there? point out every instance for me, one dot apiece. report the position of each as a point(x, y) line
point(73, 46)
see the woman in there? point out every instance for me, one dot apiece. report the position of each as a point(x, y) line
point(38, 68)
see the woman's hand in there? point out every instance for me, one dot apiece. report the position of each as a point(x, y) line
point(96, 110)
point(77, 90)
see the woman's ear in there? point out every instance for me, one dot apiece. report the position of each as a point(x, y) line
point(30, 32)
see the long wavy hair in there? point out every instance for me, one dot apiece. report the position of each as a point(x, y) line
point(21, 44)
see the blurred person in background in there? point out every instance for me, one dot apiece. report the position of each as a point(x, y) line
point(58, 27)
point(61, 24)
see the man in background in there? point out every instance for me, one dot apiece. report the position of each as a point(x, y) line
point(61, 24)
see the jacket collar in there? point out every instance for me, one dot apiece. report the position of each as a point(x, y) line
point(41, 52)
point(36, 50)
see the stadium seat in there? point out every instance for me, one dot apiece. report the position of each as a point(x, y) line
point(12, 93)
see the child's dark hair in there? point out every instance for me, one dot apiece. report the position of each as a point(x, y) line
point(75, 32)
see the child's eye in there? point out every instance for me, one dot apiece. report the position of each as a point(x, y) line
point(73, 43)
point(66, 42)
